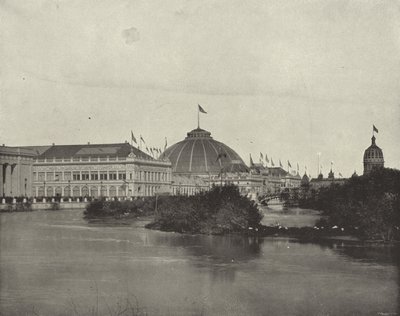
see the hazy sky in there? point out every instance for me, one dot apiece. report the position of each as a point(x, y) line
point(287, 78)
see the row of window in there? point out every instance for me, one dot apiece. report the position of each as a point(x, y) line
point(93, 191)
point(99, 175)
point(373, 154)
point(81, 159)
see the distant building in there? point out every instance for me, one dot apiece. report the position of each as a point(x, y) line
point(188, 185)
point(373, 157)
point(321, 182)
point(92, 170)
point(16, 171)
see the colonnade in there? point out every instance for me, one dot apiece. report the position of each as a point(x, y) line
point(9, 176)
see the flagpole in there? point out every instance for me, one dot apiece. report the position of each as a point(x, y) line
point(140, 142)
point(198, 117)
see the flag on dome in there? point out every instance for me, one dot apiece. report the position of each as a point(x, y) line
point(272, 163)
point(280, 163)
point(266, 158)
point(374, 128)
point(165, 146)
point(141, 138)
point(288, 163)
point(201, 109)
point(261, 156)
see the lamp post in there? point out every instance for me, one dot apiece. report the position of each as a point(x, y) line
point(69, 188)
point(25, 185)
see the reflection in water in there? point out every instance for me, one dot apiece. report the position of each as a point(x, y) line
point(219, 256)
point(57, 262)
point(384, 255)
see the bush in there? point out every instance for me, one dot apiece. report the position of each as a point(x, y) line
point(369, 203)
point(221, 210)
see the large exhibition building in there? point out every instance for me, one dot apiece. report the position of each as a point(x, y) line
point(200, 156)
point(121, 170)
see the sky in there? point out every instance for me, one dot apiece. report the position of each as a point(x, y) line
point(289, 79)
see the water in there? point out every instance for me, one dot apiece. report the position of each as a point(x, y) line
point(56, 263)
point(290, 217)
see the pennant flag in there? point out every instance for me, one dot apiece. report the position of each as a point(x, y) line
point(272, 163)
point(280, 164)
point(298, 167)
point(251, 161)
point(266, 158)
point(165, 146)
point(201, 109)
point(261, 156)
point(288, 163)
point(147, 149)
point(340, 175)
point(141, 138)
point(133, 138)
point(374, 129)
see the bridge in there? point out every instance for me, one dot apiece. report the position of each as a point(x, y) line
point(264, 199)
point(288, 195)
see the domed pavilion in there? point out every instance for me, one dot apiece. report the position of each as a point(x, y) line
point(201, 155)
point(373, 157)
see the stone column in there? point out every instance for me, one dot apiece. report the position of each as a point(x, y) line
point(15, 172)
point(1, 180)
point(7, 185)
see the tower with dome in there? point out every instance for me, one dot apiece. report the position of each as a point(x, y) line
point(373, 156)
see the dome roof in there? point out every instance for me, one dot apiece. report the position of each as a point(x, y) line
point(200, 154)
point(305, 180)
point(373, 152)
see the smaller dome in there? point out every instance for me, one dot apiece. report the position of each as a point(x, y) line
point(373, 151)
point(373, 157)
point(305, 180)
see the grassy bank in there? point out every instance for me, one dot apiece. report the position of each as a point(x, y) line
point(120, 209)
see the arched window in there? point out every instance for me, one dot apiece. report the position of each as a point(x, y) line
point(94, 192)
point(41, 191)
point(67, 191)
point(85, 191)
point(49, 191)
point(122, 190)
point(113, 191)
point(76, 192)
point(103, 191)
point(58, 191)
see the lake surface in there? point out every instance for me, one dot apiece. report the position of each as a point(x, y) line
point(56, 263)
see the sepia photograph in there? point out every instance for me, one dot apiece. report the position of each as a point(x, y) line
point(210, 157)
